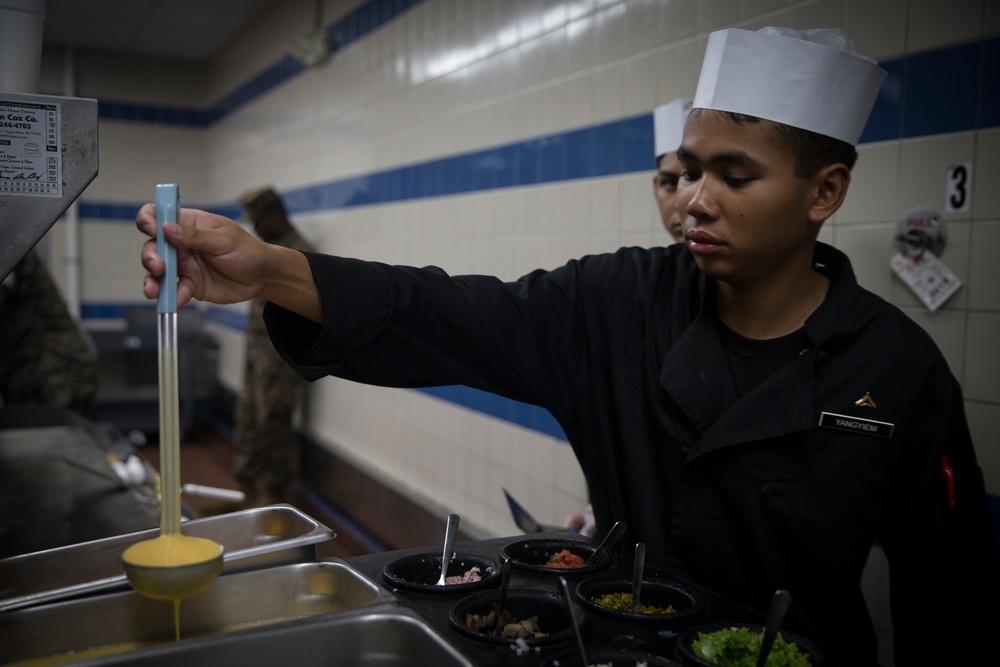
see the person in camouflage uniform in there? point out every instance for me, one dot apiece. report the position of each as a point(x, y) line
point(46, 356)
point(265, 438)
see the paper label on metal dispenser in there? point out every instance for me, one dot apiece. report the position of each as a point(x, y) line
point(30, 154)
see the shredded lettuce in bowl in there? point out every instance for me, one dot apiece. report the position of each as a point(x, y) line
point(739, 647)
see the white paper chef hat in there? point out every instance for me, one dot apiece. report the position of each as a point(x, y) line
point(668, 126)
point(810, 79)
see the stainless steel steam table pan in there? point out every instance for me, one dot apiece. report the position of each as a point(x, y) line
point(128, 625)
point(253, 538)
point(377, 637)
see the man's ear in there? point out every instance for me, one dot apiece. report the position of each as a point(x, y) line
point(830, 187)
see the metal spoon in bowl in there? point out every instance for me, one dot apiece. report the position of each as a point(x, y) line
point(779, 605)
point(613, 536)
point(449, 545)
point(572, 621)
point(640, 565)
point(504, 582)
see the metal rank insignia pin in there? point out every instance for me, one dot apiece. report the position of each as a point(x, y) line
point(866, 401)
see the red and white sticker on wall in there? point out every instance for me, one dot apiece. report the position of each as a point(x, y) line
point(920, 240)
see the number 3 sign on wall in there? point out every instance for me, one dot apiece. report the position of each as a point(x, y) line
point(959, 188)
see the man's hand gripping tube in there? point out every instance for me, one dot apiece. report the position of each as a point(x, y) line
point(167, 197)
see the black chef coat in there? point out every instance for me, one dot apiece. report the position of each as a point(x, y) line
point(788, 486)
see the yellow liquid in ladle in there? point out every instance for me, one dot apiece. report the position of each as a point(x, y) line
point(172, 566)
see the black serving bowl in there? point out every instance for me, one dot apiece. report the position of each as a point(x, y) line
point(612, 657)
point(686, 653)
point(531, 555)
point(553, 616)
point(420, 573)
point(687, 602)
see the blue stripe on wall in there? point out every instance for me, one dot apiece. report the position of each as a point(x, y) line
point(227, 317)
point(617, 147)
point(104, 311)
point(236, 320)
point(885, 121)
point(522, 414)
point(989, 108)
point(946, 90)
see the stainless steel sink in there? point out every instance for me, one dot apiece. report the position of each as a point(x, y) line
point(240, 603)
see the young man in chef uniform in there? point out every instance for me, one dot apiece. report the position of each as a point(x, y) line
point(755, 417)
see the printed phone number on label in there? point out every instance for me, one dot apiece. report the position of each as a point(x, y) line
point(39, 189)
point(16, 126)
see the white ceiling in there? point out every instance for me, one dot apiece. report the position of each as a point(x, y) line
point(182, 30)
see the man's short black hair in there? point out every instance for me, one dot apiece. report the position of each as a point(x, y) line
point(812, 150)
point(260, 201)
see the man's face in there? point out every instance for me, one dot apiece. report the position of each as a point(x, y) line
point(668, 172)
point(747, 216)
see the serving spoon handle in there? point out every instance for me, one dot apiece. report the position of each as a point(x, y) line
point(502, 600)
point(613, 535)
point(449, 545)
point(572, 621)
point(779, 605)
point(637, 572)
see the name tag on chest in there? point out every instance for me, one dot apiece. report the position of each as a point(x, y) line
point(856, 424)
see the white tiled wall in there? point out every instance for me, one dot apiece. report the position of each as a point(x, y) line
point(932, 24)
point(450, 76)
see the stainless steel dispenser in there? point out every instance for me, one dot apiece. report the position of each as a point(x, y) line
point(48, 155)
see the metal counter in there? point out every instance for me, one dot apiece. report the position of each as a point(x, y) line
point(362, 633)
point(53, 494)
point(56, 485)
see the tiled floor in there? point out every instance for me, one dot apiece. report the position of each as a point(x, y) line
point(207, 459)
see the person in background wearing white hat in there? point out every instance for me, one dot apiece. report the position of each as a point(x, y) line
point(755, 417)
point(668, 128)
point(265, 440)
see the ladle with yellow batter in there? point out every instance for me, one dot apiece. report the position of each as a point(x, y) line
point(172, 566)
